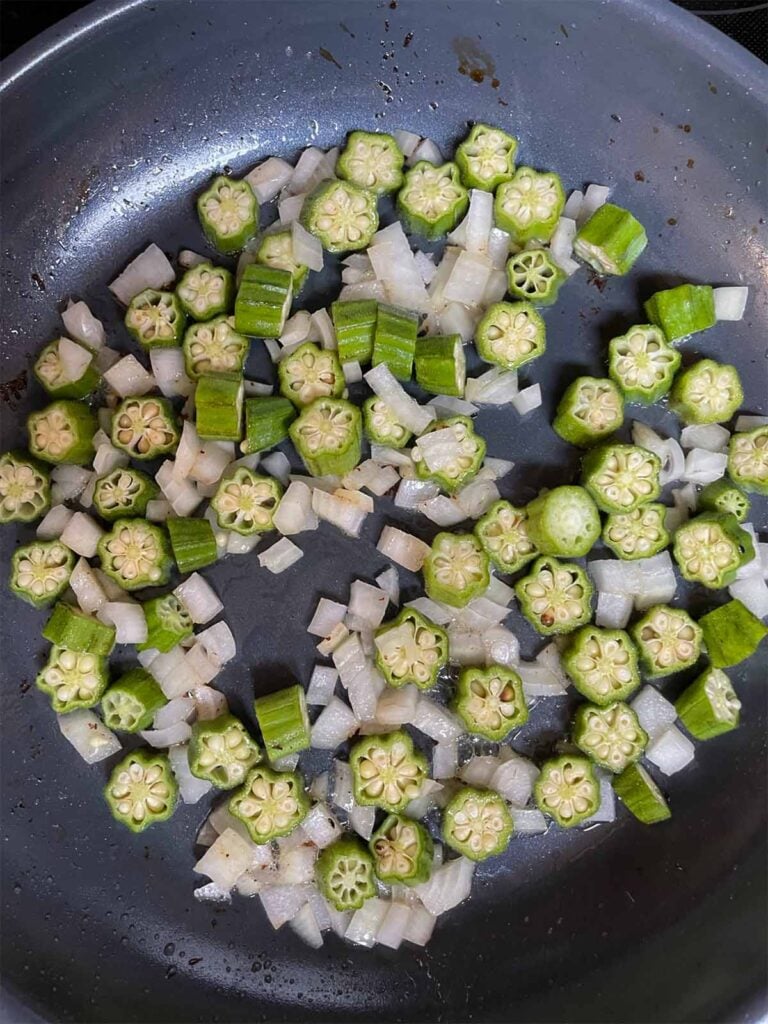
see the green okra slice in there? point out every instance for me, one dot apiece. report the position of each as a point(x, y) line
point(457, 471)
point(456, 569)
point(219, 406)
point(641, 796)
point(503, 533)
point(206, 291)
point(343, 216)
point(135, 554)
point(638, 534)
point(387, 771)
point(382, 426)
point(529, 204)
point(611, 736)
point(62, 432)
point(246, 502)
point(142, 789)
point(486, 158)
point(263, 301)
point(731, 633)
point(66, 381)
point(222, 752)
point(214, 347)
point(602, 664)
point(490, 701)
point(355, 326)
point(40, 571)
point(441, 368)
point(130, 703)
point(276, 250)
point(682, 311)
point(709, 706)
point(270, 804)
point(567, 790)
point(643, 364)
point(310, 372)
point(706, 392)
point(477, 823)
point(267, 420)
point(402, 851)
point(394, 340)
point(510, 334)
point(327, 435)
point(345, 873)
point(69, 627)
point(667, 639)
point(371, 160)
point(145, 427)
point(432, 200)
point(168, 623)
point(611, 241)
point(193, 543)
point(533, 276)
point(555, 597)
point(156, 319)
point(73, 679)
point(284, 722)
point(725, 496)
point(710, 548)
point(621, 477)
point(748, 460)
point(563, 522)
point(591, 408)
point(25, 488)
point(123, 493)
point(229, 214)
point(411, 649)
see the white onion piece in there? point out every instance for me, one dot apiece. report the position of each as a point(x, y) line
point(180, 732)
point(435, 721)
point(199, 598)
point(498, 247)
point(348, 517)
point(443, 511)
point(613, 610)
point(322, 683)
point(425, 265)
point(367, 604)
point(495, 387)
point(323, 325)
point(221, 819)
point(305, 925)
point(86, 588)
point(606, 810)
point(349, 659)
point(209, 703)
point(218, 642)
point(353, 372)
point(294, 513)
point(150, 269)
point(269, 177)
point(730, 302)
point(280, 556)
point(654, 712)
point(105, 359)
point(180, 492)
point(277, 465)
point(343, 796)
point(448, 405)
point(207, 834)
point(403, 548)
point(68, 482)
point(431, 795)
point(686, 497)
point(527, 400)
point(107, 458)
point(397, 706)
point(289, 209)
point(561, 243)
point(180, 709)
point(413, 493)
point(170, 373)
point(364, 691)
point(754, 566)
point(188, 258)
point(74, 358)
point(394, 265)
point(498, 468)
point(335, 724)
point(307, 166)
point(88, 735)
point(449, 885)
point(711, 436)
point(479, 770)
point(413, 416)
point(211, 461)
point(240, 545)
point(500, 592)
point(211, 893)
point(528, 821)
point(82, 535)
point(83, 325)
point(128, 620)
point(478, 221)
point(419, 926)
point(745, 423)
point(406, 141)
point(476, 497)
point(753, 594)
point(657, 582)
point(391, 933)
point(328, 614)
point(226, 860)
point(158, 510)
point(366, 922)
point(594, 197)
point(514, 780)
point(186, 451)
point(704, 467)
point(389, 582)
point(362, 820)
point(670, 751)
point(573, 204)
point(445, 760)
point(307, 249)
point(615, 575)
point(320, 826)
point(337, 636)
point(468, 279)
point(297, 328)
point(53, 523)
point(426, 150)
point(385, 456)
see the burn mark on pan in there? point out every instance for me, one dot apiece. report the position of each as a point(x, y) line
point(475, 62)
point(11, 391)
point(327, 55)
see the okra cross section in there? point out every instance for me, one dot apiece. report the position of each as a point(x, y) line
point(284, 722)
point(168, 623)
point(440, 365)
point(135, 554)
point(73, 679)
point(725, 496)
point(591, 408)
point(221, 751)
point(612, 736)
point(381, 424)
point(214, 347)
point(602, 664)
point(503, 533)
point(510, 334)
point(310, 372)
point(156, 319)
point(533, 276)
point(270, 804)
point(486, 157)
point(490, 701)
point(371, 160)
point(682, 311)
point(276, 250)
point(345, 873)
point(477, 823)
point(668, 640)
point(145, 427)
point(142, 789)
point(460, 459)
point(206, 291)
point(402, 851)
point(25, 488)
point(456, 569)
point(563, 522)
point(709, 706)
point(621, 477)
point(643, 364)
point(327, 435)
point(63, 376)
point(611, 240)
point(748, 460)
point(387, 771)
point(263, 301)
point(706, 392)
point(555, 597)
point(246, 502)
point(641, 796)
point(229, 213)
point(529, 204)
point(432, 200)
point(40, 571)
point(567, 790)
point(343, 216)
point(62, 432)
point(123, 493)
point(129, 705)
point(637, 534)
point(411, 649)
point(710, 548)
point(731, 633)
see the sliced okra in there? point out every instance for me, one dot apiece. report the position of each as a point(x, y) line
point(135, 554)
point(222, 752)
point(529, 204)
point(667, 639)
point(327, 435)
point(456, 569)
point(130, 704)
point(387, 771)
point(73, 679)
point(411, 649)
point(402, 851)
point(611, 736)
point(283, 721)
point(355, 326)
point(503, 533)
point(214, 347)
point(219, 406)
point(206, 291)
point(276, 250)
point(710, 548)
point(533, 276)
point(123, 493)
point(642, 364)
point(142, 789)
point(263, 301)
point(69, 627)
point(460, 469)
point(709, 706)
point(602, 664)
point(25, 488)
point(706, 392)
point(62, 432)
point(40, 571)
point(682, 311)
point(193, 543)
point(145, 428)
point(394, 340)
point(267, 420)
point(156, 319)
point(168, 623)
point(490, 701)
point(63, 378)
point(748, 460)
point(638, 534)
point(591, 408)
point(731, 633)
point(567, 790)
point(246, 502)
point(555, 597)
point(510, 334)
point(371, 160)
point(440, 365)
point(382, 426)
point(486, 158)
point(725, 496)
point(611, 240)
point(270, 804)
point(345, 873)
point(432, 200)
point(621, 477)
point(477, 823)
point(310, 372)
point(341, 215)
point(641, 796)
point(229, 214)
point(563, 522)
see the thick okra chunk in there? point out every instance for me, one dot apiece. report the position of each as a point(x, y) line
point(454, 464)
point(382, 426)
point(456, 569)
point(486, 157)
point(710, 548)
point(386, 771)
point(62, 432)
point(40, 571)
point(748, 460)
point(503, 533)
point(310, 372)
point(490, 701)
point(327, 435)
point(731, 633)
point(283, 720)
point(709, 706)
point(267, 421)
point(371, 160)
point(640, 795)
point(145, 428)
point(682, 311)
point(69, 627)
point(529, 204)
point(612, 736)
point(193, 543)
point(706, 392)
point(591, 408)
point(206, 291)
point(129, 705)
point(432, 200)
point(611, 240)
point(25, 488)
point(156, 319)
point(637, 534)
point(214, 347)
point(263, 301)
point(345, 873)
point(411, 649)
point(355, 326)
point(123, 493)
point(725, 496)
point(135, 554)
point(394, 340)
point(440, 365)
point(73, 679)
point(246, 502)
point(642, 364)
point(668, 640)
point(477, 823)
point(142, 789)
point(563, 522)
point(555, 597)
point(341, 215)
point(510, 334)
point(219, 406)
point(229, 214)
point(621, 477)
point(270, 804)
point(222, 752)
point(567, 790)
point(276, 250)
point(402, 851)
point(66, 370)
point(602, 664)
point(168, 623)
point(533, 276)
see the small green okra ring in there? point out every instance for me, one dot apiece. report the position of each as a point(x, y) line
point(371, 160)
point(246, 502)
point(387, 771)
point(411, 649)
point(206, 291)
point(748, 460)
point(611, 736)
point(343, 216)
point(641, 796)
point(270, 804)
point(355, 326)
point(267, 420)
point(460, 470)
point(135, 554)
point(40, 571)
point(709, 706)
point(156, 319)
point(642, 364)
point(432, 200)
point(440, 365)
point(327, 435)
point(263, 301)
point(276, 250)
point(381, 424)
point(394, 340)
point(637, 534)
point(563, 522)
point(490, 701)
point(222, 752)
point(145, 428)
point(602, 664)
point(725, 496)
point(731, 633)
point(682, 311)
point(142, 789)
point(73, 679)
point(229, 214)
point(123, 493)
point(486, 158)
point(219, 406)
point(402, 851)
point(706, 392)
point(710, 548)
point(529, 204)
point(503, 533)
point(510, 334)
point(555, 597)
point(59, 377)
point(533, 276)
point(62, 432)
point(591, 408)
point(168, 623)
point(193, 543)
point(25, 488)
point(310, 372)
point(621, 477)
point(456, 569)
point(214, 347)
point(130, 703)
point(69, 627)
point(284, 722)
point(667, 639)
point(611, 241)
point(567, 790)
point(477, 823)
point(345, 873)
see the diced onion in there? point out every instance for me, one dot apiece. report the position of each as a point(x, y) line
point(188, 258)
point(468, 279)
point(107, 458)
point(150, 269)
point(348, 517)
point(561, 244)
point(744, 423)
point(443, 511)
point(389, 582)
point(366, 922)
point(412, 415)
point(88, 735)
point(335, 724)
point(226, 860)
point(362, 820)
point(670, 751)
point(527, 400)
point(309, 170)
point(397, 706)
point(425, 264)
point(179, 732)
point(752, 591)
point(353, 372)
point(711, 436)
point(218, 642)
point(322, 683)
point(199, 598)
point(307, 249)
point(289, 209)
point(406, 141)
point(514, 780)
point(392, 931)
point(53, 523)
point(86, 587)
point(294, 513)
point(573, 204)
point(128, 620)
point(730, 302)
point(476, 497)
point(367, 604)
point(191, 789)
point(479, 771)
point(269, 177)
point(435, 721)
point(322, 323)
point(606, 810)
point(403, 548)
point(170, 372)
point(704, 467)
point(82, 534)
point(105, 359)
point(495, 387)
point(68, 482)
point(419, 926)
point(180, 492)
point(328, 614)
point(158, 510)
point(320, 826)
point(654, 712)
point(277, 465)
point(595, 197)
point(613, 610)
point(426, 150)
point(445, 760)
point(209, 703)
point(74, 358)
point(83, 325)
point(180, 709)
point(449, 885)
point(305, 925)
